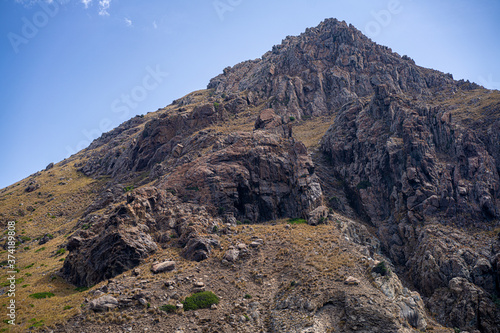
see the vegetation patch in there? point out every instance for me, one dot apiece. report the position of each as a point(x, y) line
point(128, 188)
point(201, 300)
point(6, 284)
point(381, 269)
point(169, 308)
point(36, 323)
point(297, 221)
point(42, 295)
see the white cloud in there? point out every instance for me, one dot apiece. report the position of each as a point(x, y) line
point(128, 22)
point(155, 25)
point(103, 7)
point(86, 3)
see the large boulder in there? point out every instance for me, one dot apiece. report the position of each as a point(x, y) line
point(198, 248)
point(161, 267)
point(103, 303)
point(118, 248)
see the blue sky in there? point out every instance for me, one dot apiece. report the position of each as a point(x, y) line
point(71, 69)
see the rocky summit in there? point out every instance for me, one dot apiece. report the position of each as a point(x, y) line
point(331, 185)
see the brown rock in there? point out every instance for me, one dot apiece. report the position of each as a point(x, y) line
point(317, 216)
point(162, 267)
point(351, 281)
point(103, 303)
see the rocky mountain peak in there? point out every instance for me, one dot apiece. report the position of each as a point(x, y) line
point(331, 176)
point(326, 67)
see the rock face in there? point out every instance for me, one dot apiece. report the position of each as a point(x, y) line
point(396, 157)
point(463, 304)
point(103, 256)
point(121, 240)
point(257, 176)
point(405, 165)
point(273, 179)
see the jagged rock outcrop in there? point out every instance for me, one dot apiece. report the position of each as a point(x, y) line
point(323, 69)
point(395, 158)
point(257, 176)
point(119, 248)
point(120, 241)
point(405, 165)
point(463, 304)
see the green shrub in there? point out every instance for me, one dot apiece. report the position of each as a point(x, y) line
point(248, 296)
point(169, 308)
point(29, 266)
point(42, 295)
point(216, 105)
point(297, 221)
point(81, 289)
point(128, 188)
point(381, 269)
point(201, 300)
point(40, 249)
point(85, 226)
point(7, 283)
point(292, 118)
point(25, 238)
point(67, 307)
point(61, 251)
point(36, 323)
